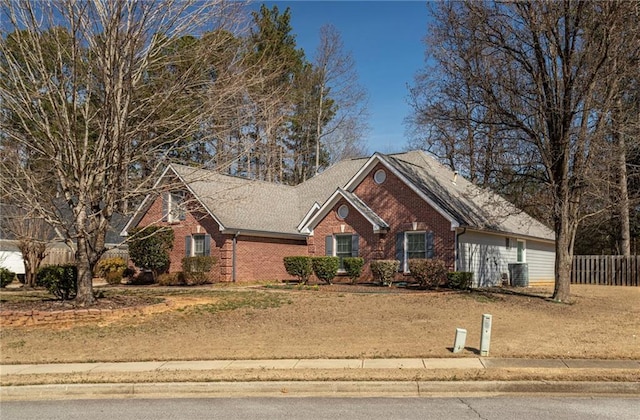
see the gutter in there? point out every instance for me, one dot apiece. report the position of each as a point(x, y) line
point(458, 235)
point(234, 243)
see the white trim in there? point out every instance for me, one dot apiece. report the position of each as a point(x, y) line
point(368, 167)
point(379, 176)
point(314, 208)
point(524, 250)
point(343, 212)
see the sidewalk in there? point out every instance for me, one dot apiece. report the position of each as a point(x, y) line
point(317, 388)
point(196, 365)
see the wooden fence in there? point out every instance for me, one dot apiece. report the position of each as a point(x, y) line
point(609, 270)
point(64, 255)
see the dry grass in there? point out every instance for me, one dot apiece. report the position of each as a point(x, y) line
point(333, 322)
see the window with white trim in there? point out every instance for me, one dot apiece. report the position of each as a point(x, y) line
point(173, 207)
point(342, 246)
point(416, 245)
point(413, 244)
point(197, 245)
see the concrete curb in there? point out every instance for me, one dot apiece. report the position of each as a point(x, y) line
point(314, 388)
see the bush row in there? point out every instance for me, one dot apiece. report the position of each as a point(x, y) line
point(427, 272)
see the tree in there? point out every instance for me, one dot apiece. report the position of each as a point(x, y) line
point(278, 61)
point(342, 136)
point(336, 104)
point(78, 126)
point(544, 77)
point(32, 235)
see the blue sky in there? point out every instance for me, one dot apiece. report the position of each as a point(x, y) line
point(386, 40)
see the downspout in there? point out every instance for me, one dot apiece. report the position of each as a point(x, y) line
point(458, 235)
point(234, 244)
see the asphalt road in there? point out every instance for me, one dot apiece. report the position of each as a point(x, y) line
point(489, 408)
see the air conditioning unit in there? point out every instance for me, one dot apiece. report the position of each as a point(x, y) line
point(519, 274)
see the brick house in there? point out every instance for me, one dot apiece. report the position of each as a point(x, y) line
point(396, 206)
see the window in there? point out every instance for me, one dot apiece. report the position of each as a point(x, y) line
point(416, 245)
point(172, 207)
point(521, 251)
point(343, 211)
point(342, 246)
point(413, 245)
point(380, 176)
point(198, 245)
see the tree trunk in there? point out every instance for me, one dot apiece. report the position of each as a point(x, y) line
point(84, 296)
point(623, 204)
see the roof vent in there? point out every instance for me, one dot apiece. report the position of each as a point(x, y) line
point(455, 177)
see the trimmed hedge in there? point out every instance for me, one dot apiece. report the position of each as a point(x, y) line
point(6, 277)
point(60, 280)
point(460, 280)
point(325, 268)
point(384, 271)
point(299, 266)
point(428, 272)
point(197, 270)
point(353, 266)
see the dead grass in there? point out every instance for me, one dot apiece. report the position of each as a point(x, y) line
point(334, 322)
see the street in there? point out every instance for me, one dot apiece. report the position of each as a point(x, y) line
point(489, 408)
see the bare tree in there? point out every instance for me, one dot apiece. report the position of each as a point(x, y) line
point(33, 236)
point(547, 74)
point(337, 81)
point(79, 126)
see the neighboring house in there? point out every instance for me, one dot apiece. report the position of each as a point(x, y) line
point(396, 206)
point(58, 252)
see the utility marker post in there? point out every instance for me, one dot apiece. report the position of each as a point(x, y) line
point(485, 335)
point(461, 337)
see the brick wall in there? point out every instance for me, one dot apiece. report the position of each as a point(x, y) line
point(260, 259)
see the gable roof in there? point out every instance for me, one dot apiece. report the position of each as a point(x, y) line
point(243, 205)
point(376, 221)
point(464, 202)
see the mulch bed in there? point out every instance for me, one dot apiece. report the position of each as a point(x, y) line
point(51, 305)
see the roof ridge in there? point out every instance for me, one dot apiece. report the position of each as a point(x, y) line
point(237, 177)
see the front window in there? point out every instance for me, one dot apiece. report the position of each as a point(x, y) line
point(343, 248)
point(198, 245)
point(416, 245)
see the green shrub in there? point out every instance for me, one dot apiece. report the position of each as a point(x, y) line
point(6, 277)
point(325, 268)
point(60, 280)
point(460, 279)
point(172, 279)
point(428, 272)
point(353, 267)
point(197, 270)
point(107, 265)
point(149, 248)
point(299, 266)
point(384, 271)
point(111, 269)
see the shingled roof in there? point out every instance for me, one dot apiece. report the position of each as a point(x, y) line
point(467, 204)
point(240, 204)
